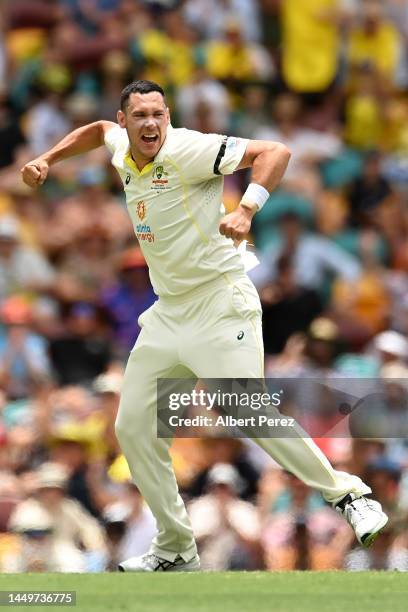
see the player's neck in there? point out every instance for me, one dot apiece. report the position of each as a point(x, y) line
point(140, 162)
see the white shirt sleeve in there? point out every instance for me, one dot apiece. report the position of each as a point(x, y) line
point(115, 138)
point(205, 156)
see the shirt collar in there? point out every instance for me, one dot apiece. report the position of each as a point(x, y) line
point(159, 157)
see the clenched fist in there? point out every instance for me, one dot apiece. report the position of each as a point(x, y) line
point(35, 172)
point(237, 224)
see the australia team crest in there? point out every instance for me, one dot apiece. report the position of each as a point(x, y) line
point(159, 178)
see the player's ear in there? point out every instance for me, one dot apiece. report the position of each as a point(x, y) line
point(121, 117)
point(168, 114)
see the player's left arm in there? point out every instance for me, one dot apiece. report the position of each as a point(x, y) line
point(268, 161)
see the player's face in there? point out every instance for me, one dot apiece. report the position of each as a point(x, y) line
point(146, 119)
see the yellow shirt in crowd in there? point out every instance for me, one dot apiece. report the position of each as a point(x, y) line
point(380, 49)
point(310, 44)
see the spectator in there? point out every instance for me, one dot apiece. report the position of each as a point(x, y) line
point(108, 386)
point(390, 346)
point(287, 307)
point(366, 109)
point(23, 353)
point(64, 527)
point(302, 532)
point(116, 72)
point(231, 451)
point(46, 123)
point(233, 60)
point(369, 193)
point(308, 146)
point(86, 265)
point(253, 114)
point(91, 207)
point(11, 135)
point(128, 298)
point(360, 306)
point(167, 53)
point(130, 526)
point(210, 16)
point(313, 257)
point(227, 529)
point(390, 552)
point(203, 89)
point(384, 414)
point(21, 268)
point(374, 40)
point(75, 457)
point(310, 44)
point(83, 351)
point(89, 15)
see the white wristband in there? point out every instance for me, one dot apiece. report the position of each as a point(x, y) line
point(255, 194)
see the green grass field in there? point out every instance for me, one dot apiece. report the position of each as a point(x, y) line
point(223, 592)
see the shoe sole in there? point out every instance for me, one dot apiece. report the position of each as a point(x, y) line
point(190, 569)
point(368, 538)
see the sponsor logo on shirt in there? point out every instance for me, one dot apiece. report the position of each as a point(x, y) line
point(143, 232)
point(232, 142)
point(141, 210)
point(159, 178)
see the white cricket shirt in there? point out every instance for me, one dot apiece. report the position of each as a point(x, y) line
point(175, 204)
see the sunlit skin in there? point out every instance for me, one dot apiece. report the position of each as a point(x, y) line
point(145, 116)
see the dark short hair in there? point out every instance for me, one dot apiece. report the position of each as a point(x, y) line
point(141, 86)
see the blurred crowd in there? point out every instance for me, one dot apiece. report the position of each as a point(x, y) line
point(329, 78)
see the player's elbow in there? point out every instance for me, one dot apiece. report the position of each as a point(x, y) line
point(280, 150)
point(286, 151)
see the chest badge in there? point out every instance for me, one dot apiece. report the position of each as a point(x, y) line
point(141, 210)
point(127, 181)
point(159, 178)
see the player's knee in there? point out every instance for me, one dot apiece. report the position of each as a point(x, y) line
point(123, 428)
point(128, 427)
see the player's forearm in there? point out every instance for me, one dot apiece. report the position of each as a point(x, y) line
point(79, 141)
point(269, 166)
point(268, 161)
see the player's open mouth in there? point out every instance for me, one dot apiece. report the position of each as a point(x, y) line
point(150, 139)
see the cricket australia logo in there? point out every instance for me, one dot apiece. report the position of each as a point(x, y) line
point(158, 172)
point(159, 175)
point(141, 210)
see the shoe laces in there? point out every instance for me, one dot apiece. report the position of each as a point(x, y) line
point(159, 563)
point(351, 507)
point(357, 508)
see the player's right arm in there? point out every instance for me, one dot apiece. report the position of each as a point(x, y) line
point(79, 141)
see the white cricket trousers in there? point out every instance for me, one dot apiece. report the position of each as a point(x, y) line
point(195, 336)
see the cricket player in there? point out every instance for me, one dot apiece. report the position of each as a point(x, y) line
point(206, 322)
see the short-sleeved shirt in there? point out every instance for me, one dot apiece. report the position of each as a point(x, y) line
point(175, 204)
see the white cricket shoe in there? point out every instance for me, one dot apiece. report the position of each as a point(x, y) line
point(152, 563)
point(365, 516)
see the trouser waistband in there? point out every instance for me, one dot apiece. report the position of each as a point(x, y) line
point(220, 282)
